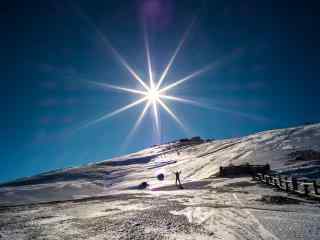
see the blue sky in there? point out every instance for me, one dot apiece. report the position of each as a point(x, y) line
point(267, 75)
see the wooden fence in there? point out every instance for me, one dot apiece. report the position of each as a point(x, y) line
point(292, 185)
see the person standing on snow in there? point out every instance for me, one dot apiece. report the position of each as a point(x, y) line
point(178, 179)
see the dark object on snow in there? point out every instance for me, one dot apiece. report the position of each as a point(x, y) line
point(196, 139)
point(143, 185)
point(160, 177)
point(193, 140)
point(244, 169)
point(304, 155)
point(178, 182)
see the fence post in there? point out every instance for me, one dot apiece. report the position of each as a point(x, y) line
point(275, 182)
point(271, 180)
point(280, 181)
point(315, 186)
point(306, 188)
point(286, 183)
point(294, 183)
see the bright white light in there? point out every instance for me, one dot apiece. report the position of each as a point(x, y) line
point(153, 94)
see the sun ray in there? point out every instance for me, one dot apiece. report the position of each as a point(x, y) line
point(156, 117)
point(244, 115)
point(136, 125)
point(109, 115)
point(171, 113)
point(179, 99)
point(175, 53)
point(147, 46)
point(130, 90)
point(190, 76)
point(107, 42)
point(138, 122)
point(126, 65)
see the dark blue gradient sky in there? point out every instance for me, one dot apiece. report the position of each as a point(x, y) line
point(268, 74)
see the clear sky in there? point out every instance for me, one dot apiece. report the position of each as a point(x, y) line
point(266, 74)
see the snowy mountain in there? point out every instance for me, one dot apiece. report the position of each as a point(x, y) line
point(196, 160)
point(104, 201)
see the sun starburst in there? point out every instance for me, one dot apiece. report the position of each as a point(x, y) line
point(153, 94)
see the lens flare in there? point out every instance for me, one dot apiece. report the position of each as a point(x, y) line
point(177, 50)
point(152, 94)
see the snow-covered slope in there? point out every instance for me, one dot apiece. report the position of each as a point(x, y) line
point(196, 161)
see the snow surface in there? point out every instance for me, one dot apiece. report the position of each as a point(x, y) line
point(207, 208)
point(196, 162)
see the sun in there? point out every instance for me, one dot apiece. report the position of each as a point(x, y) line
point(153, 94)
